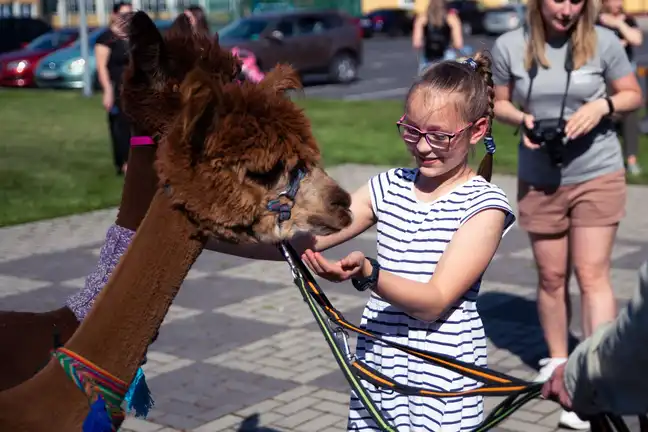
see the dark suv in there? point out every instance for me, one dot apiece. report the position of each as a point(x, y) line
point(311, 41)
point(16, 32)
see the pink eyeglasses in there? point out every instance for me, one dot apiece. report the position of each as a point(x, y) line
point(438, 140)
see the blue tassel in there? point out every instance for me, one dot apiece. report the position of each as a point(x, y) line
point(98, 419)
point(139, 396)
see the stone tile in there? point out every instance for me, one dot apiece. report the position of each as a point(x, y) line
point(208, 334)
point(218, 391)
point(305, 408)
point(297, 355)
point(132, 424)
point(53, 267)
point(55, 235)
point(12, 285)
point(285, 307)
point(158, 363)
point(217, 291)
point(45, 298)
point(177, 313)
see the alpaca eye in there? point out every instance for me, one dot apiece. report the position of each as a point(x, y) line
point(267, 178)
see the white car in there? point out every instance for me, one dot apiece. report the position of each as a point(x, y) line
point(505, 18)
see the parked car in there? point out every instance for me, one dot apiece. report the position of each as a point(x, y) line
point(364, 22)
point(392, 21)
point(17, 32)
point(502, 19)
point(471, 15)
point(316, 41)
point(64, 68)
point(17, 67)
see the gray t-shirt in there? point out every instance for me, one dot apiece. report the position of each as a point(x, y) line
point(590, 156)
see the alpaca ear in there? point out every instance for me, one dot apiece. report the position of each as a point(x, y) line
point(180, 28)
point(146, 45)
point(197, 94)
point(282, 78)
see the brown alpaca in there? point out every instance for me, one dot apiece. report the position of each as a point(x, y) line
point(228, 153)
point(28, 338)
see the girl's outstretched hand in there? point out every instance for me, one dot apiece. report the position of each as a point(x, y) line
point(339, 271)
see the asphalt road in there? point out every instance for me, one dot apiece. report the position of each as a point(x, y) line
point(389, 68)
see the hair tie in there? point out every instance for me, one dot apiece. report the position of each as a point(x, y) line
point(489, 142)
point(470, 62)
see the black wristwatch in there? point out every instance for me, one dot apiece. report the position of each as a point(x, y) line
point(366, 283)
point(610, 105)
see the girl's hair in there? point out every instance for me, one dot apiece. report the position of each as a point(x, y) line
point(198, 13)
point(436, 12)
point(472, 81)
point(583, 35)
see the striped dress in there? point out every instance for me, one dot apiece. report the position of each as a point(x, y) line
point(412, 235)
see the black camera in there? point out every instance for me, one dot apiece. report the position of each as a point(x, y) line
point(550, 135)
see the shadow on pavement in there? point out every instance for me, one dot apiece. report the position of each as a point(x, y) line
point(251, 424)
point(511, 323)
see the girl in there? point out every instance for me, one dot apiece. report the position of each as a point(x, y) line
point(439, 225)
point(571, 211)
point(435, 32)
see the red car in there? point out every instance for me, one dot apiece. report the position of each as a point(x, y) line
point(17, 67)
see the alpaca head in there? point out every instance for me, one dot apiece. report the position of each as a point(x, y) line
point(239, 159)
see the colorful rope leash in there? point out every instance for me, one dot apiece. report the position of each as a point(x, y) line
point(104, 391)
point(494, 383)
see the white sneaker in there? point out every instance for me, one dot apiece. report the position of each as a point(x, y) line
point(568, 419)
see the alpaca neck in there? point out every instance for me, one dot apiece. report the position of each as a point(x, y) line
point(131, 307)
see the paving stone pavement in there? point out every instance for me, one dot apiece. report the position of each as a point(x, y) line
point(239, 350)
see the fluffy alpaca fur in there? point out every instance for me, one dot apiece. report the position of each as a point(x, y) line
point(194, 144)
point(28, 337)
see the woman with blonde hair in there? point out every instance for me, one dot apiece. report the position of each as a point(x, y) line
point(571, 178)
point(435, 31)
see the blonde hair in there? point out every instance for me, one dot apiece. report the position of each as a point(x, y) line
point(436, 12)
point(472, 79)
point(583, 35)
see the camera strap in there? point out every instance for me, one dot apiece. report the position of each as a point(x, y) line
point(533, 72)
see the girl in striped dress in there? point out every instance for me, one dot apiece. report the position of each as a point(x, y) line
point(439, 225)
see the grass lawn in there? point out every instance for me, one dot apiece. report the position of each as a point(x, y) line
point(56, 160)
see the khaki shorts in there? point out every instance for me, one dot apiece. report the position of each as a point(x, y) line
point(597, 202)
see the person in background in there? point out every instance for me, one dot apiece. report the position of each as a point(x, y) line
point(435, 31)
point(628, 31)
point(198, 19)
point(566, 73)
point(111, 54)
point(606, 372)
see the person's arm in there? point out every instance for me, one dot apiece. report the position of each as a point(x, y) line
point(504, 109)
point(619, 74)
point(462, 263)
point(630, 32)
point(102, 54)
point(456, 32)
point(607, 371)
point(363, 219)
point(420, 21)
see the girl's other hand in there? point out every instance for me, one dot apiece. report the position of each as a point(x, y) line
point(528, 121)
point(342, 270)
point(586, 118)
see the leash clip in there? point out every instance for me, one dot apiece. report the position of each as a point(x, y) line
point(343, 338)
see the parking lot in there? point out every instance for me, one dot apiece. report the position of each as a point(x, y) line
point(390, 66)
